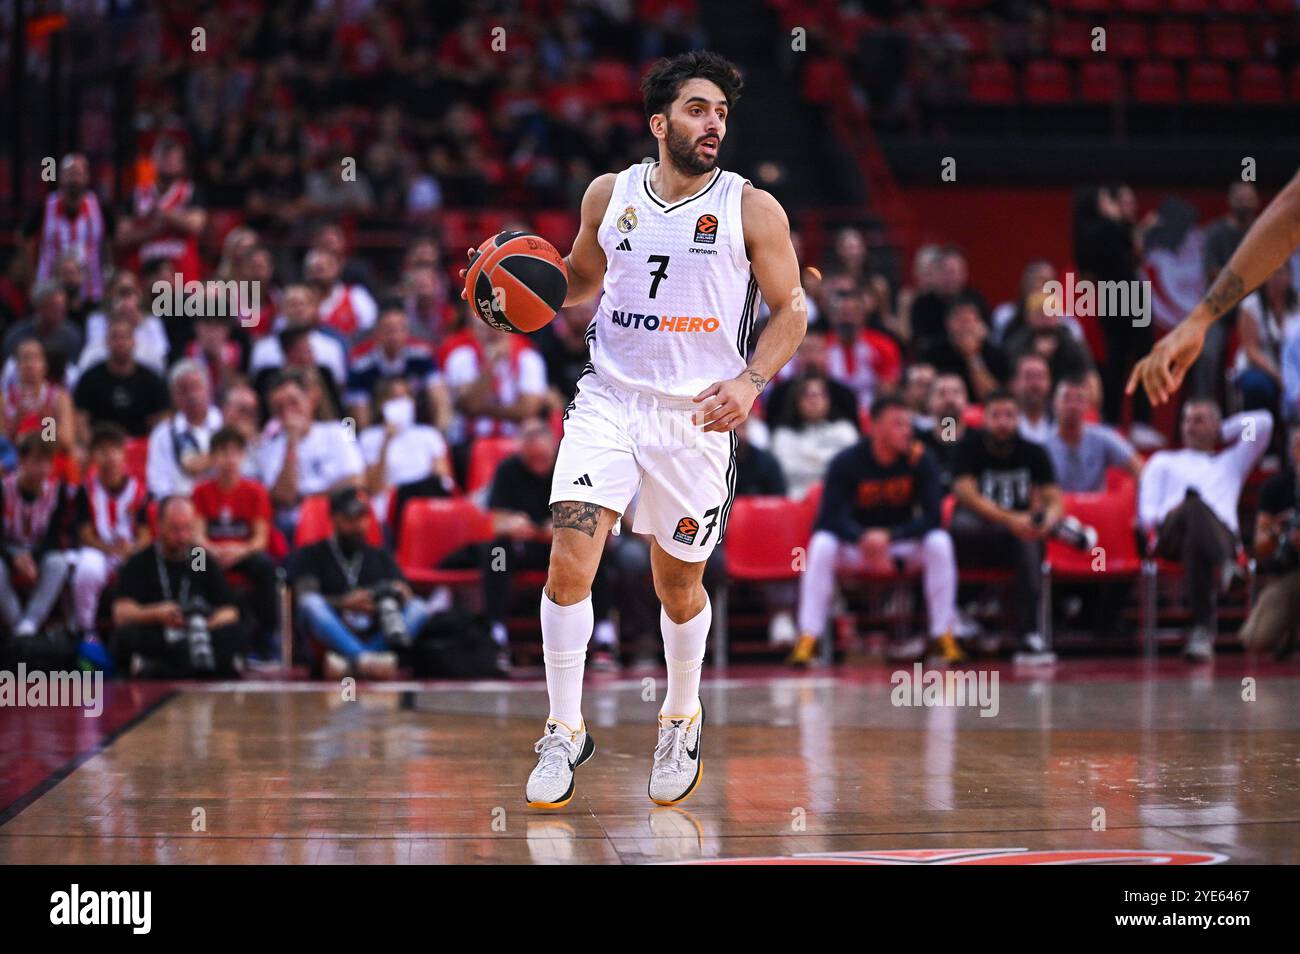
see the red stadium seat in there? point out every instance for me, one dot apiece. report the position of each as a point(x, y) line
point(1293, 83)
point(1260, 84)
point(975, 33)
point(992, 82)
point(762, 536)
point(1047, 81)
point(615, 82)
point(1101, 82)
point(1127, 39)
point(1209, 83)
point(485, 457)
point(1087, 6)
point(1072, 40)
point(1177, 41)
point(314, 524)
point(1239, 6)
point(432, 528)
point(1189, 7)
point(1227, 41)
point(1112, 515)
point(1140, 6)
point(1156, 82)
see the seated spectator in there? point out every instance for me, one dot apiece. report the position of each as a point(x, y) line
point(1009, 317)
point(880, 503)
point(298, 359)
point(1187, 505)
point(352, 598)
point(234, 519)
point(1082, 452)
point(215, 351)
point(1032, 387)
point(174, 615)
point(35, 505)
point(947, 412)
point(120, 390)
point(496, 381)
point(1265, 320)
point(298, 310)
point(967, 353)
point(563, 345)
point(1007, 504)
point(348, 309)
point(809, 360)
point(918, 381)
point(865, 359)
point(392, 352)
point(930, 311)
point(1291, 377)
point(49, 326)
point(806, 446)
point(1275, 617)
point(148, 333)
point(299, 456)
point(398, 451)
point(519, 501)
point(111, 521)
point(178, 446)
point(1047, 335)
point(32, 402)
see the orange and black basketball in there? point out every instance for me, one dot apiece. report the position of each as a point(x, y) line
point(517, 282)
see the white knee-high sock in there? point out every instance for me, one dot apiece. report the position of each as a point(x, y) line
point(684, 653)
point(565, 632)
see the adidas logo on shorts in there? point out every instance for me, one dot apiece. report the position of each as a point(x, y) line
point(584, 480)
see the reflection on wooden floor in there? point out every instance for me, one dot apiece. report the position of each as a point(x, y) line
point(816, 769)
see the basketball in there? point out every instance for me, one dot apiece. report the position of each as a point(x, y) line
point(517, 282)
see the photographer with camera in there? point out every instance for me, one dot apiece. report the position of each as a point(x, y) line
point(351, 596)
point(174, 614)
point(1275, 617)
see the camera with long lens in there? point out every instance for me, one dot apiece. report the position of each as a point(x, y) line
point(196, 611)
point(388, 606)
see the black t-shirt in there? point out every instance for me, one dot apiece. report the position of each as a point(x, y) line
point(126, 401)
point(943, 452)
point(1005, 479)
point(139, 579)
point(515, 487)
point(329, 565)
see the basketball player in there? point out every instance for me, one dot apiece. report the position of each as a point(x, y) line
point(1268, 243)
point(680, 251)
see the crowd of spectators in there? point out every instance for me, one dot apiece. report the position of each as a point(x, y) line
point(355, 373)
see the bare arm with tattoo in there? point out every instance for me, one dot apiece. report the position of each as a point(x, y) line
point(1270, 241)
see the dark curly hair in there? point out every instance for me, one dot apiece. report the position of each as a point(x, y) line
point(661, 85)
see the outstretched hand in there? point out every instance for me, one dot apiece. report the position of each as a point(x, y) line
point(1161, 372)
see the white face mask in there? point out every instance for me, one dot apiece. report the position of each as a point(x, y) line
point(400, 412)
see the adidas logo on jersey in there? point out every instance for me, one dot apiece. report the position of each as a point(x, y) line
point(624, 246)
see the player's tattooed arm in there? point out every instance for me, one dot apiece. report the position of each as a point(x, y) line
point(1228, 289)
point(756, 379)
point(575, 514)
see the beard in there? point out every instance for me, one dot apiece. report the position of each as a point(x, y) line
point(681, 153)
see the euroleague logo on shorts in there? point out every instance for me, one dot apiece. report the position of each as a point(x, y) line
point(630, 319)
point(687, 528)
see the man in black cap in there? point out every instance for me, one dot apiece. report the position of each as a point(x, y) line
point(352, 597)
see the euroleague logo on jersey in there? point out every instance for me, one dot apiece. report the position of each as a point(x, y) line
point(630, 319)
point(706, 229)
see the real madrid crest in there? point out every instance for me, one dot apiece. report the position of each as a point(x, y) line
point(627, 221)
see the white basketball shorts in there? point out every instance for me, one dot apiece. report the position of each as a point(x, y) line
point(617, 441)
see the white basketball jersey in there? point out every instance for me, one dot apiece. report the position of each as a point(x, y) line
point(679, 299)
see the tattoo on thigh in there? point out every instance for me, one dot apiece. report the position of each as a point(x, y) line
point(576, 515)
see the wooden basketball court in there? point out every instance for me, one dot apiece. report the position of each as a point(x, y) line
point(1089, 762)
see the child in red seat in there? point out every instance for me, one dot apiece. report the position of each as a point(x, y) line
point(234, 514)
